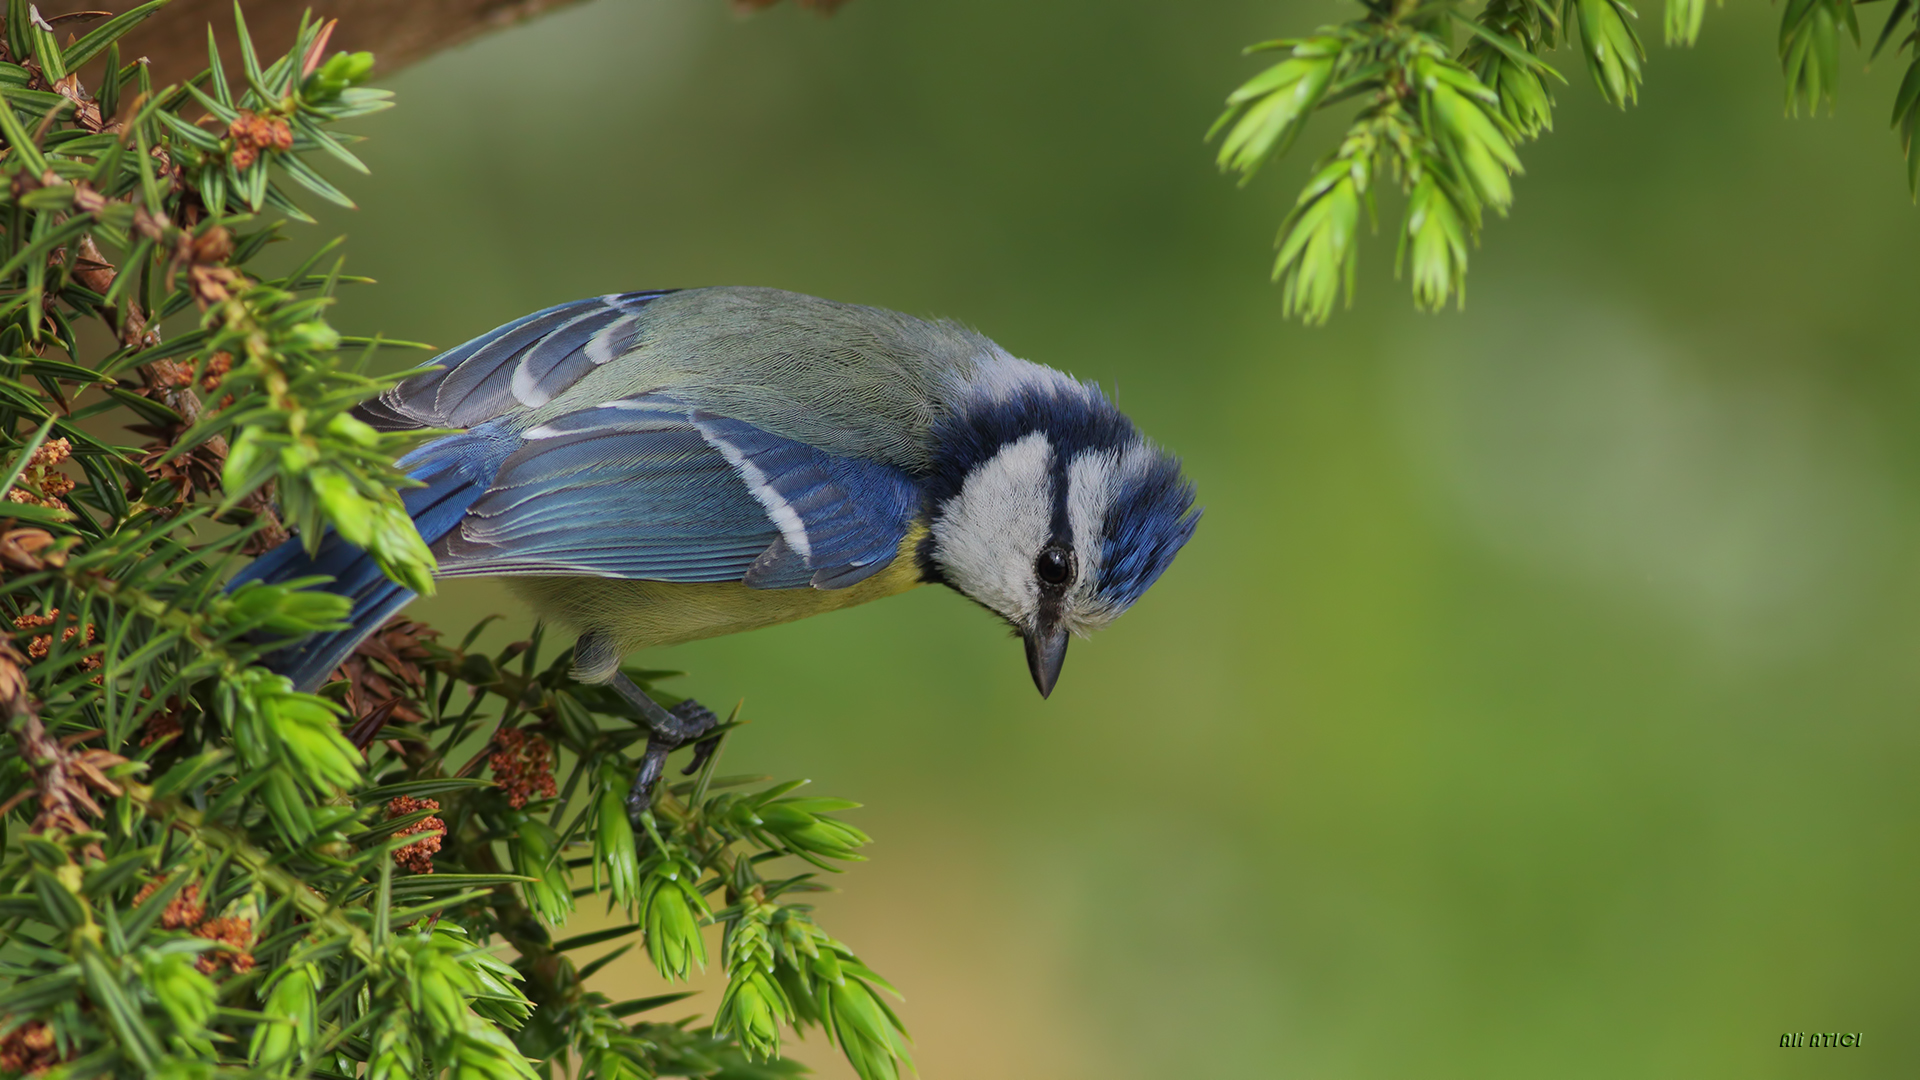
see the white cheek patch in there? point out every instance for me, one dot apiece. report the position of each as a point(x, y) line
point(987, 537)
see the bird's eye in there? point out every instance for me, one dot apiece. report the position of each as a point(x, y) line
point(1054, 566)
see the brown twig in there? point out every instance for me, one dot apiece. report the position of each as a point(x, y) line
point(399, 32)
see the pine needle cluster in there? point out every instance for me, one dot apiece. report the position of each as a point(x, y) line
point(1445, 121)
point(205, 872)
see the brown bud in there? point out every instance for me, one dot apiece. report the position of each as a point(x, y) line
point(86, 200)
point(251, 134)
point(234, 933)
point(134, 334)
point(30, 1050)
point(91, 268)
point(213, 246)
point(86, 111)
point(147, 225)
point(218, 365)
point(13, 681)
point(164, 374)
point(417, 856)
point(212, 284)
point(21, 549)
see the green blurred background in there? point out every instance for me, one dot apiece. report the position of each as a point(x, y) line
point(1536, 698)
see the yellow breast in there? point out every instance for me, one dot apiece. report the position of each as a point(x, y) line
point(641, 614)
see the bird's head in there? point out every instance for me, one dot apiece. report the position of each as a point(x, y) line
point(1049, 508)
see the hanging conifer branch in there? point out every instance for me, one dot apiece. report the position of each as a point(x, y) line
point(1446, 98)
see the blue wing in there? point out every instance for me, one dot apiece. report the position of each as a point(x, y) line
point(523, 364)
point(642, 488)
point(649, 487)
point(841, 520)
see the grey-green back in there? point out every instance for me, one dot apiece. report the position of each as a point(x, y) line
point(857, 381)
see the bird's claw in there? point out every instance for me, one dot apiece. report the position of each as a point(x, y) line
point(687, 722)
point(696, 720)
point(702, 751)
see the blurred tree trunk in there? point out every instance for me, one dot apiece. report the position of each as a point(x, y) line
point(398, 32)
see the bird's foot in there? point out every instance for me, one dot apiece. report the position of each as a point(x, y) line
point(671, 729)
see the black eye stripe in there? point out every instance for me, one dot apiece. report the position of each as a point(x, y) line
point(1053, 567)
point(1061, 526)
point(1056, 565)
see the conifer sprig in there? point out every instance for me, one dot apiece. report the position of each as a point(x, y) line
point(1446, 95)
point(204, 871)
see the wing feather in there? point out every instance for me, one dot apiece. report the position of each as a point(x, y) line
point(845, 518)
point(523, 364)
point(650, 488)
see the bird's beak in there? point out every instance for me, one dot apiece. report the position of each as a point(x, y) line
point(1046, 651)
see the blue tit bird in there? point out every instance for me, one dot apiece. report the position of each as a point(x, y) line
point(652, 468)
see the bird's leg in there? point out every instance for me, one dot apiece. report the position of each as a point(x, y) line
point(667, 730)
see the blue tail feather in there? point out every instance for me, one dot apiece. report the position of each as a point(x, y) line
point(456, 471)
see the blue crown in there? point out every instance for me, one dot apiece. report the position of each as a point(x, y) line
point(1148, 524)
